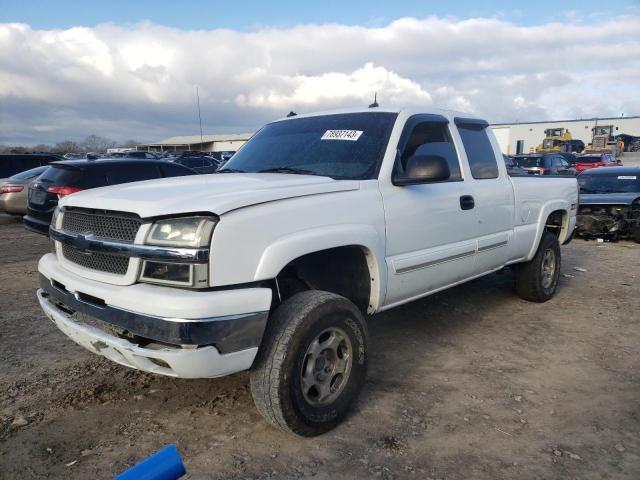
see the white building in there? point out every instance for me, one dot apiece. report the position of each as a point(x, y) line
point(525, 137)
point(229, 142)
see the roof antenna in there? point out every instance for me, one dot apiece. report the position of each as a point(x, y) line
point(375, 101)
point(291, 114)
point(199, 118)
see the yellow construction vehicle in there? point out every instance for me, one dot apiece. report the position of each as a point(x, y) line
point(602, 141)
point(554, 140)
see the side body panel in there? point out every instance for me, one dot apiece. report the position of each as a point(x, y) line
point(256, 243)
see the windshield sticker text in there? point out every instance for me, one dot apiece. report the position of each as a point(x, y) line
point(627, 177)
point(352, 135)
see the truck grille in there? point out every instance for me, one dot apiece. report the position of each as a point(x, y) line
point(105, 225)
point(97, 261)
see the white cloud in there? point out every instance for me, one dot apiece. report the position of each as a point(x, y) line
point(139, 81)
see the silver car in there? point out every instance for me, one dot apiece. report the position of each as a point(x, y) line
point(13, 191)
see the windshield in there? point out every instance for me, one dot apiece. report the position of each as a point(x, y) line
point(343, 146)
point(529, 162)
point(611, 183)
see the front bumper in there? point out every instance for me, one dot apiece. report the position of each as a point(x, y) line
point(36, 225)
point(216, 332)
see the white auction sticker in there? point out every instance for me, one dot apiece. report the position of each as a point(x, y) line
point(352, 135)
point(627, 177)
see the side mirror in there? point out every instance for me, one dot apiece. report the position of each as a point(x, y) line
point(423, 169)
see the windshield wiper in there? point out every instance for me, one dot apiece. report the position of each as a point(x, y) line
point(230, 170)
point(293, 170)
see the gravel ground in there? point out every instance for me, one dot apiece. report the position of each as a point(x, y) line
point(469, 383)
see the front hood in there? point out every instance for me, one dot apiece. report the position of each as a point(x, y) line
point(608, 198)
point(216, 193)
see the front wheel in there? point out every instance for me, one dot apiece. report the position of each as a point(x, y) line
point(537, 279)
point(311, 364)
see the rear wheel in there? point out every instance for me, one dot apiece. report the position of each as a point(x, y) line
point(311, 364)
point(537, 279)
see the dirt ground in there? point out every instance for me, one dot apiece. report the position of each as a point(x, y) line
point(469, 383)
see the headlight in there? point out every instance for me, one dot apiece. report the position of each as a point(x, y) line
point(185, 232)
point(182, 232)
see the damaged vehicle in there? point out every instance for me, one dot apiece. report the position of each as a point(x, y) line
point(274, 263)
point(609, 203)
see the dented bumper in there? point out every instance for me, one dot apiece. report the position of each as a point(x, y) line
point(205, 362)
point(170, 331)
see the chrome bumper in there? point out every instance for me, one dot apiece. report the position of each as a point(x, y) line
point(205, 362)
point(228, 333)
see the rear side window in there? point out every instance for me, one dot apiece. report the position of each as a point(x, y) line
point(34, 172)
point(482, 160)
point(135, 172)
point(60, 175)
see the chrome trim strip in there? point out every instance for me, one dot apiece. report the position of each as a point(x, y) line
point(89, 243)
point(493, 245)
point(435, 262)
point(229, 333)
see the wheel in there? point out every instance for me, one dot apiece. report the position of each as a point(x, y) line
point(537, 279)
point(636, 233)
point(311, 364)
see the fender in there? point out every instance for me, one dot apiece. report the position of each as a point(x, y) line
point(545, 211)
point(286, 249)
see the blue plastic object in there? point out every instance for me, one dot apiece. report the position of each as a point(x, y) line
point(163, 465)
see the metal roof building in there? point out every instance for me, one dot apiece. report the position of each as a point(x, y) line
point(207, 143)
point(526, 136)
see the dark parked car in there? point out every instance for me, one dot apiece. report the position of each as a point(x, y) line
point(134, 154)
point(13, 191)
point(544, 164)
point(65, 178)
point(512, 168)
point(609, 203)
point(13, 163)
point(569, 157)
point(201, 164)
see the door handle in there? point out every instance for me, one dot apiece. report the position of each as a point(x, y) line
point(467, 202)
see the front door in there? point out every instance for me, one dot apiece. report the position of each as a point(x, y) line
point(431, 231)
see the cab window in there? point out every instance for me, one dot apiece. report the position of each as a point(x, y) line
point(429, 132)
point(482, 159)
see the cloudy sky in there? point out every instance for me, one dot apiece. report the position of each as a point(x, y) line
point(69, 69)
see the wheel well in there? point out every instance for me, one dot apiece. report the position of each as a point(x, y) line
point(556, 222)
point(341, 270)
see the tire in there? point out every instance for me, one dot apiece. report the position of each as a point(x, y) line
point(531, 283)
point(289, 356)
point(636, 233)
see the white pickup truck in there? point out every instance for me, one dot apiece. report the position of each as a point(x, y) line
point(272, 264)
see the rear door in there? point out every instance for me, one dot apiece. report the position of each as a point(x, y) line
point(492, 194)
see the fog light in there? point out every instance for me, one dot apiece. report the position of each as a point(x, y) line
point(180, 274)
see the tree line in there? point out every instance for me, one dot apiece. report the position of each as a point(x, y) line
point(93, 143)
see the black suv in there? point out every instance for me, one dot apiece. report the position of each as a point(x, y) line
point(544, 164)
point(13, 163)
point(65, 178)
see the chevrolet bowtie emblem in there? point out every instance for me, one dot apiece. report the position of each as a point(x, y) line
point(82, 242)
